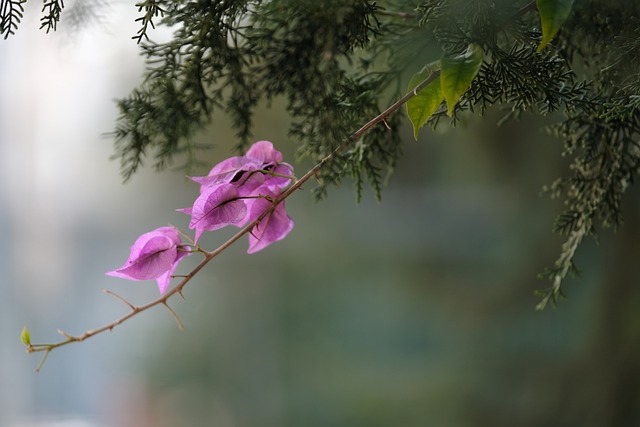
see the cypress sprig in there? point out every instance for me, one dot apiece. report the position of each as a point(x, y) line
point(52, 10)
point(11, 12)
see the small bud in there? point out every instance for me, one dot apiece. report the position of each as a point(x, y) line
point(25, 337)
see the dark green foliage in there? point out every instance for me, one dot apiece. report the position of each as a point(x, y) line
point(454, 24)
point(10, 15)
point(526, 80)
point(52, 10)
point(601, 129)
point(304, 53)
point(229, 55)
point(152, 9)
point(591, 76)
point(337, 64)
point(187, 79)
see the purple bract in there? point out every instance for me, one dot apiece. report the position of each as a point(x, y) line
point(238, 190)
point(154, 255)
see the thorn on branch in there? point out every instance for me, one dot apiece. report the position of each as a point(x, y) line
point(66, 335)
point(118, 297)
point(175, 316)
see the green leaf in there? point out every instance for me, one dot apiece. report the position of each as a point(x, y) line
point(25, 336)
point(457, 74)
point(553, 13)
point(426, 102)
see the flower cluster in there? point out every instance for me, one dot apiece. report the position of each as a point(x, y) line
point(237, 191)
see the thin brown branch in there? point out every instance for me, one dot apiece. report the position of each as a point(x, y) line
point(208, 256)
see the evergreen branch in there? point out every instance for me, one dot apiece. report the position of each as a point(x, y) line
point(152, 9)
point(52, 10)
point(186, 79)
point(604, 141)
point(208, 256)
point(11, 12)
point(564, 264)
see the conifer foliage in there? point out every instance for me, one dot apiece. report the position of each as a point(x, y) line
point(11, 12)
point(338, 63)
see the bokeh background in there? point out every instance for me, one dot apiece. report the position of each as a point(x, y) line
point(416, 311)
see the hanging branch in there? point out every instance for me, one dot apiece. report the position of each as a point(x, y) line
point(11, 12)
point(52, 10)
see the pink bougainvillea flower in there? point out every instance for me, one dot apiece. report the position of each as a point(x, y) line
point(279, 176)
point(154, 255)
point(229, 170)
point(238, 190)
point(216, 207)
point(260, 158)
point(275, 226)
point(248, 185)
point(264, 153)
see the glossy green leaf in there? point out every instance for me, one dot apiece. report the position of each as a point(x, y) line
point(25, 336)
point(457, 74)
point(426, 101)
point(553, 13)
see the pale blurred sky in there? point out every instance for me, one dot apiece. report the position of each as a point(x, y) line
point(59, 190)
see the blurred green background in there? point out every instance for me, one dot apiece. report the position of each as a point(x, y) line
point(416, 311)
